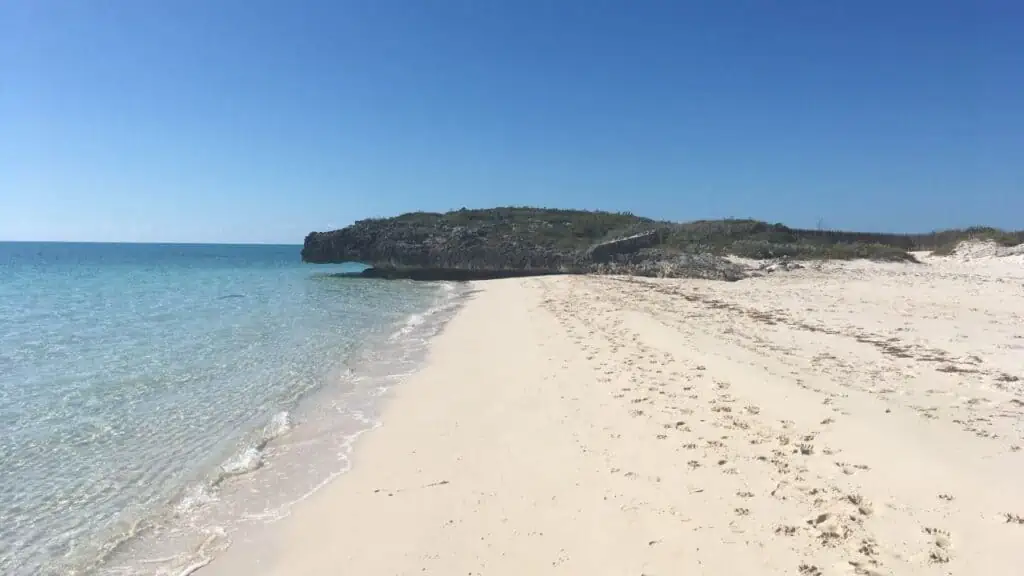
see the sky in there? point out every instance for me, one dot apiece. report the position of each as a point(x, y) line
point(260, 121)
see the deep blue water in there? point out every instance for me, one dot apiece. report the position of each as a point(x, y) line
point(131, 374)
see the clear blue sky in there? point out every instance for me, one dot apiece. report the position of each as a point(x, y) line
point(258, 121)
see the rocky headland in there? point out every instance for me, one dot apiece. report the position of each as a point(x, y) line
point(521, 241)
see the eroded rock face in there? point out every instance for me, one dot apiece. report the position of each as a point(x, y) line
point(397, 243)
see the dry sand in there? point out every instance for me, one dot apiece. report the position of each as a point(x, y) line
point(841, 419)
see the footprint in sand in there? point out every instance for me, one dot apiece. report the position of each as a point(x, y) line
point(786, 530)
point(864, 507)
point(942, 539)
point(851, 469)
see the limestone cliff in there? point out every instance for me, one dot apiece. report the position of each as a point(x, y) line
point(503, 242)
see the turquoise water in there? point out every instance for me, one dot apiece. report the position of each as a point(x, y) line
point(154, 399)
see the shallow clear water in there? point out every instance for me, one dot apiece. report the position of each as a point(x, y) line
point(139, 384)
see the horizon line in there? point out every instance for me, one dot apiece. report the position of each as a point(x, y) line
point(148, 243)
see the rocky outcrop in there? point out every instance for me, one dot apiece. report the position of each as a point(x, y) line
point(502, 243)
point(606, 251)
point(662, 263)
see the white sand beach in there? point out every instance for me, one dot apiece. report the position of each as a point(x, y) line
point(853, 418)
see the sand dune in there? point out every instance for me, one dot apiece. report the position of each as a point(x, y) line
point(841, 419)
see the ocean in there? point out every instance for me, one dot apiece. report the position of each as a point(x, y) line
point(159, 401)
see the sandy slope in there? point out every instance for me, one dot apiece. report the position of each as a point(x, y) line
point(862, 419)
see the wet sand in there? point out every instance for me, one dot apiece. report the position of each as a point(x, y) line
point(842, 419)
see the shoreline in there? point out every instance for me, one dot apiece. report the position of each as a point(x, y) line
point(862, 420)
point(282, 460)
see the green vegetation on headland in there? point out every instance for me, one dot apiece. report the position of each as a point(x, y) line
point(541, 240)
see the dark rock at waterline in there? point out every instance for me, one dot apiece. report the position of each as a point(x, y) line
point(448, 274)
